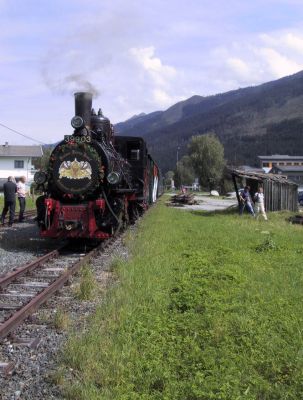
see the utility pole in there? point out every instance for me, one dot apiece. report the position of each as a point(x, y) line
point(178, 148)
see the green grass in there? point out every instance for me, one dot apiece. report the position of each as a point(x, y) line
point(208, 307)
point(30, 203)
point(87, 285)
point(61, 320)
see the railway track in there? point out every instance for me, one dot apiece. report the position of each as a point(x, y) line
point(25, 289)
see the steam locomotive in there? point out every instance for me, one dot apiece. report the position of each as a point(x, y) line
point(95, 182)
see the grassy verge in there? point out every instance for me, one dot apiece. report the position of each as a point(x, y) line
point(30, 203)
point(208, 307)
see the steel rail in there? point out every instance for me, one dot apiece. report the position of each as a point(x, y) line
point(7, 279)
point(18, 317)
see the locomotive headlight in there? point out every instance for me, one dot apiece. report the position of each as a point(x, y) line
point(40, 177)
point(113, 178)
point(77, 122)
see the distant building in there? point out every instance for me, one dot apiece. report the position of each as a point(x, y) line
point(293, 173)
point(17, 161)
point(280, 160)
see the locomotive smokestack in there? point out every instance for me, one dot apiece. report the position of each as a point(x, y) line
point(83, 106)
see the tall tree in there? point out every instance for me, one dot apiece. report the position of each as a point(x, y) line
point(185, 171)
point(207, 157)
point(168, 177)
point(42, 162)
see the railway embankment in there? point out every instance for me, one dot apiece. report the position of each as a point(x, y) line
point(208, 306)
point(29, 348)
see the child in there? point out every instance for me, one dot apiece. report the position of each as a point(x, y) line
point(259, 203)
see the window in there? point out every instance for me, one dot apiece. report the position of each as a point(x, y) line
point(289, 163)
point(135, 154)
point(133, 151)
point(265, 164)
point(19, 164)
point(296, 163)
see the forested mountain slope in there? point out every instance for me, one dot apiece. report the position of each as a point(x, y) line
point(264, 119)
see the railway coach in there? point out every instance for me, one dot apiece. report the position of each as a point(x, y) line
point(96, 182)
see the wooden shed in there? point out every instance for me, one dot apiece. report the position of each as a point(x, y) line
point(279, 192)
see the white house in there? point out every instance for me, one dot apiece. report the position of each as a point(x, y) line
point(17, 161)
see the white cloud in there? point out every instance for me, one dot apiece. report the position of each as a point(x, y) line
point(240, 67)
point(294, 42)
point(160, 73)
point(165, 100)
point(257, 58)
point(277, 64)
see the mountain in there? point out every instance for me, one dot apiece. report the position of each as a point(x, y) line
point(264, 119)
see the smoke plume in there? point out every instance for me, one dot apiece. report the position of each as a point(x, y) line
point(70, 84)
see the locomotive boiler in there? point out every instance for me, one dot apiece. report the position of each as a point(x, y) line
point(95, 182)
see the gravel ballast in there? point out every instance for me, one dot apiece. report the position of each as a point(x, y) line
point(35, 368)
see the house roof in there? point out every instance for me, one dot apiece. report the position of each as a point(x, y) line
point(20, 151)
point(288, 168)
point(280, 157)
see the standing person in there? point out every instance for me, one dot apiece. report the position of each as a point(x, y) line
point(246, 202)
point(21, 193)
point(259, 203)
point(10, 189)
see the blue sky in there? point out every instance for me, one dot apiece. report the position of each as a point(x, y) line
point(138, 56)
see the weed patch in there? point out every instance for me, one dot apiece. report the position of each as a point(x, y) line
point(61, 320)
point(267, 245)
point(202, 311)
point(87, 286)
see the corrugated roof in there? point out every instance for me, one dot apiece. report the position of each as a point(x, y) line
point(260, 176)
point(20, 151)
point(248, 168)
point(280, 157)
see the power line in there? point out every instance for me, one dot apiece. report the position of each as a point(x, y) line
point(21, 134)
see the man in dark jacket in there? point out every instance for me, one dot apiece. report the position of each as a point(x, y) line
point(10, 189)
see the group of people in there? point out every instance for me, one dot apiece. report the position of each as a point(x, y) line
point(11, 189)
point(255, 208)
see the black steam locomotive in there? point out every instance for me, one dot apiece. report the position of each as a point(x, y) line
point(96, 182)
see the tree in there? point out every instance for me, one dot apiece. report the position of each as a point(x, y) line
point(42, 163)
point(185, 171)
point(168, 177)
point(207, 157)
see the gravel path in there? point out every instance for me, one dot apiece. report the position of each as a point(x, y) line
point(207, 203)
point(35, 369)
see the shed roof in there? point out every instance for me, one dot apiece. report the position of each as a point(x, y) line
point(261, 176)
point(20, 151)
point(248, 168)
